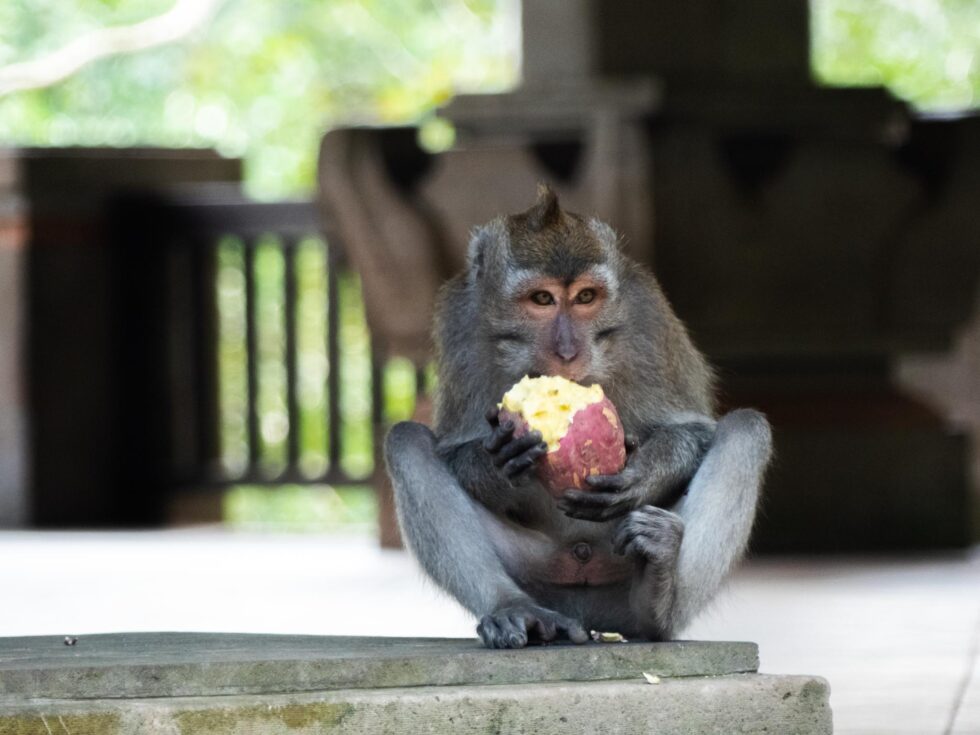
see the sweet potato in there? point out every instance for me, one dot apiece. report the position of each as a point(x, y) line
point(579, 424)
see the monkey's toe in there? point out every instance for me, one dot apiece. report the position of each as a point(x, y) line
point(650, 532)
point(501, 631)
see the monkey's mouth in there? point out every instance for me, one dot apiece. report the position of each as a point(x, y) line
point(575, 375)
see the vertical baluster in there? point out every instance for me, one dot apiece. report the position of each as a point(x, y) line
point(379, 358)
point(333, 358)
point(292, 400)
point(205, 335)
point(252, 357)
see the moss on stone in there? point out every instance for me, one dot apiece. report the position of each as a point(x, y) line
point(97, 723)
point(293, 717)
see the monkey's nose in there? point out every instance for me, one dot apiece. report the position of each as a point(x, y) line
point(567, 354)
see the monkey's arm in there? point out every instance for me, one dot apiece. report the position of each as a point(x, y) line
point(490, 469)
point(657, 473)
point(457, 542)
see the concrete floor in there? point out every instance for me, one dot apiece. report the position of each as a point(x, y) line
point(897, 639)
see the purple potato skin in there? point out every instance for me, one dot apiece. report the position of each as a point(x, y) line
point(595, 444)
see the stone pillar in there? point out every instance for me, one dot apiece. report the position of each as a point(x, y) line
point(558, 41)
point(706, 41)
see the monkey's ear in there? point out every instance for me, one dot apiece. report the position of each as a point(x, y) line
point(481, 241)
point(610, 241)
point(545, 211)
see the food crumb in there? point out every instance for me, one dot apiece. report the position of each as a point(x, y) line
point(601, 637)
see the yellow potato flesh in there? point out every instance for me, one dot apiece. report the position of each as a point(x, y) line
point(549, 403)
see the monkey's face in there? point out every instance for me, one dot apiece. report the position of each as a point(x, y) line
point(560, 315)
point(547, 282)
point(563, 325)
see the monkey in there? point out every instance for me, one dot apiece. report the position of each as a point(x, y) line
point(641, 552)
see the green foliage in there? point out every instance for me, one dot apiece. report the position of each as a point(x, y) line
point(232, 355)
point(356, 425)
point(301, 508)
point(264, 80)
point(29, 28)
point(356, 440)
point(926, 51)
point(311, 361)
point(399, 390)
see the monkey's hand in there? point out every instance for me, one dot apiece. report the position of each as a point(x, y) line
point(657, 472)
point(611, 496)
point(515, 625)
point(513, 456)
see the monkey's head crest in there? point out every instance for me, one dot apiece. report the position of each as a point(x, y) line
point(557, 242)
point(544, 213)
point(543, 238)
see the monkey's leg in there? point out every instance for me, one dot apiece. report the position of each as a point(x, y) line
point(652, 537)
point(450, 535)
point(684, 556)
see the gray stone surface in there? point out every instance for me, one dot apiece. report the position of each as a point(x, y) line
point(225, 684)
point(693, 706)
point(208, 664)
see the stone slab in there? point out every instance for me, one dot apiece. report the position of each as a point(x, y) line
point(134, 665)
point(745, 703)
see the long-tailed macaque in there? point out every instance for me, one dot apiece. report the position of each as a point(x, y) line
point(547, 292)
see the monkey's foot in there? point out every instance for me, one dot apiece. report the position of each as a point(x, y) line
point(651, 533)
point(516, 625)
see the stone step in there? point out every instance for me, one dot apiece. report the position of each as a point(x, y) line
point(226, 684)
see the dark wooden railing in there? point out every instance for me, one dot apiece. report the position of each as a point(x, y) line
point(170, 373)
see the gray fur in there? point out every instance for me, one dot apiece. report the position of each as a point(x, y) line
point(469, 506)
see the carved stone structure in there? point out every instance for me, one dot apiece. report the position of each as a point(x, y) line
point(809, 237)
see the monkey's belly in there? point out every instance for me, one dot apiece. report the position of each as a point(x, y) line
point(580, 566)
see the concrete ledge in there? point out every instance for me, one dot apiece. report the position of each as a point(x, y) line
point(192, 684)
point(208, 664)
point(697, 706)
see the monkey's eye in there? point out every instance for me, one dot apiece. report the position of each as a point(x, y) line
point(585, 296)
point(542, 298)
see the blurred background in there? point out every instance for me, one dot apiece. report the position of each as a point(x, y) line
point(222, 223)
